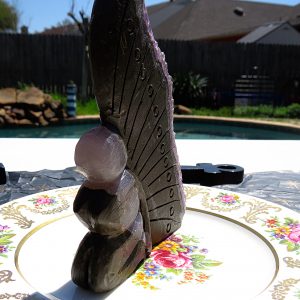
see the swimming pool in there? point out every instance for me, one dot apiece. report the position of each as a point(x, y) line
point(185, 129)
point(215, 129)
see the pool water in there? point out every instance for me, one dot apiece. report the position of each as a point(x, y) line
point(197, 130)
point(61, 131)
point(184, 130)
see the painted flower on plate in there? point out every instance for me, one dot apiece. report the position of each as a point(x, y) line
point(3, 249)
point(6, 235)
point(179, 259)
point(225, 199)
point(169, 260)
point(3, 228)
point(43, 201)
point(294, 235)
point(287, 232)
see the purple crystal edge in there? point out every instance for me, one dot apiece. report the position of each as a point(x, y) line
point(160, 56)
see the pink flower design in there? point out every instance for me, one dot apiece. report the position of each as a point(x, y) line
point(173, 261)
point(227, 199)
point(3, 228)
point(43, 200)
point(295, 234)
point(3, 249)
point(175, 238)
point(179, 259)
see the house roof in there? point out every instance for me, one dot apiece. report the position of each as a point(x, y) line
point(295, 17)
point(205, 19)
point(260, 32)
point(285, 34)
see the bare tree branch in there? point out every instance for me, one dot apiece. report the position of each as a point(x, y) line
point(72, 9)
point(82, 14)
point(78, 23)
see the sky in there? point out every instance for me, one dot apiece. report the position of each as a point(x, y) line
point(41, 14)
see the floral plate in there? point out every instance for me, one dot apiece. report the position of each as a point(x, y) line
point(230, 246)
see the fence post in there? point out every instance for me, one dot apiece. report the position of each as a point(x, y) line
point(71, 99)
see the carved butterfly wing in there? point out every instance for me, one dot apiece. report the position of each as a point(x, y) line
point(134, 94)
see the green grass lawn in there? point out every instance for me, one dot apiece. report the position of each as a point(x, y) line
point(83, 108)
point(87, 108)
point(290, 113)
point(280, 113)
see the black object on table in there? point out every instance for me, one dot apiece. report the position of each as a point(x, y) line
point(208, 174)
point(2, 174)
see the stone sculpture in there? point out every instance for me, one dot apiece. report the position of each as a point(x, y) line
point(133, 197)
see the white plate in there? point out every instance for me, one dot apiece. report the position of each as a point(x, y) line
point(230, 246)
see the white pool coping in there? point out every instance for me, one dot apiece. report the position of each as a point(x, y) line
point(253, 155)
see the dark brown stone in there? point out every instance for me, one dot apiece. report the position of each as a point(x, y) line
point(56, 105)
point(31, 96)
point(48, 99)
point(49, 114)
point(54, 120)
point(8, 96)
point(25, 122)
point(12, 115)
point(9, 119)
point(34, 114)
point(28, 107)
point(61, 114)
point(18, 112)
point(43, 121)
point(182, 110)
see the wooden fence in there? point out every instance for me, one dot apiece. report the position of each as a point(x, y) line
point(46, 61)
point(50, 62)
point(225, 64)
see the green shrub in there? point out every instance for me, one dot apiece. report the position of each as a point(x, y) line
point(265, 111)
point(221, 112)
point(268, 111)
point(225, 111)
point(189, 88)
point(59, 97)
point(280, 112)
point(253, 111)
point(22, 86)
point(262, 111)
point(240, 111)
point(202, 111)
point(293, 110)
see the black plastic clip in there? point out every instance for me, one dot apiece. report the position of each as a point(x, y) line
point(208, 174)
point(2, 174)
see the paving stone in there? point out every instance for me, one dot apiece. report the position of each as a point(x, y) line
point(20, 184)
point(279, 187)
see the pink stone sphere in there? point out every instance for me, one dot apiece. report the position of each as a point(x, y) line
point(101, 156)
